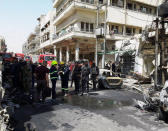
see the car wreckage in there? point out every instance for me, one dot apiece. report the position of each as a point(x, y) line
point(155, 101)
point(106, 80)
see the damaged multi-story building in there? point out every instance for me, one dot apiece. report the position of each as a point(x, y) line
point(69, 31)
point(76, 20)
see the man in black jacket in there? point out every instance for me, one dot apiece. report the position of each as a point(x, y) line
point(76, 76)
point(54, 77)
point(94, 73)
point(64, 73)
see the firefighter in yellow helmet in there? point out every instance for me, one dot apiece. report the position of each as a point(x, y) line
point(64, 73)
point(54, 77)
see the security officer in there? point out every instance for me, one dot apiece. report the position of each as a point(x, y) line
point(54, 77)
point(94, 71)
point(64, 73)
point(76, 76)
point(85, 77)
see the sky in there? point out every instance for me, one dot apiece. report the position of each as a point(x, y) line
point(18, 19)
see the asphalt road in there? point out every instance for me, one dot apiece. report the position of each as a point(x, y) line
point(106, 110)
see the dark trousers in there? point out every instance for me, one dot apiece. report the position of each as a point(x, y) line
point(85, 85)
point(54, 81)
point(41, 85)
point(77, 85)
point(64, 84)
point(94, 82)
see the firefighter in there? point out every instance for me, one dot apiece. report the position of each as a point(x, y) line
point(54, 76)
point(64, 73)
point(85, 77)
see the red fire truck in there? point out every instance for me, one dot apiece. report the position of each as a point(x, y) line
point(46, 57)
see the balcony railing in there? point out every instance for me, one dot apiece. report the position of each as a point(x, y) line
point(73, 29)
point(70, 2)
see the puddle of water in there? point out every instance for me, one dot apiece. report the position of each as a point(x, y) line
point(94, 103)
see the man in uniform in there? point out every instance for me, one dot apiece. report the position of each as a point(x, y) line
point(64, 73)
point(85, 77)
point(94, 73)
point(54, 77)
point(76, 76)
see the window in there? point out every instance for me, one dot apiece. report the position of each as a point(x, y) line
point(150, 11)
point(135, 8)
point(100, 1)
point(82, 26)
point(129, 6)
point(128, 31)
point(119, 3)
point(133, 30)
point(88, 1)
point(140, 31)
point(91, 27)
point(87, 26)
point(114, 29)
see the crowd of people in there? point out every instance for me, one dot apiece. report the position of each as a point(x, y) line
point(34, 78)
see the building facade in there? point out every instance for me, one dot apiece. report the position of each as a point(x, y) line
point(31, 46)
point(47, 31)
point(76, 20)
point(3, 46)
point(68, 31)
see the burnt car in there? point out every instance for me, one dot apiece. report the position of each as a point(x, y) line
point(106, 80)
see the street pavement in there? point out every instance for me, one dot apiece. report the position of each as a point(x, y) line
point(105, 110)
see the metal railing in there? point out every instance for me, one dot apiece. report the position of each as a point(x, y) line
point(70, 2)
point(73, 29)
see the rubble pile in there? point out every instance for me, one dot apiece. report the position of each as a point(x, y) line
point(154, 100)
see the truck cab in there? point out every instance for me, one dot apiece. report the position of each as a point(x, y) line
point(19, 56)
point(48, 58)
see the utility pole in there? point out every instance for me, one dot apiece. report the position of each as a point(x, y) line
point(105, 31)
point(156, 51)
point(162, 59)
point(97, 26)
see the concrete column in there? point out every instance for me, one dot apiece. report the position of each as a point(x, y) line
point(125, 21)
point(77, 52)
point(55, 51)
point(67, 54)
point(60, 54)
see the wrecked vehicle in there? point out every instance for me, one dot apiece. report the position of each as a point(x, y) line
point(107, 81)
point(155, 101)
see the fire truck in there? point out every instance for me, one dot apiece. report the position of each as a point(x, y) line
point(46, 57)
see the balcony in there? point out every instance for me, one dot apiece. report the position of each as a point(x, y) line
point(72, 32)
point(130, 17)
point(70, 6)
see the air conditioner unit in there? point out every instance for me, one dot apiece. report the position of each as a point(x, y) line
point(99, 32)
